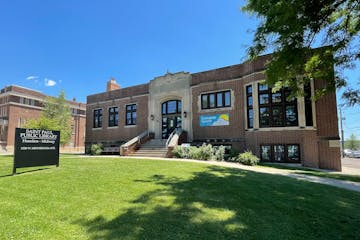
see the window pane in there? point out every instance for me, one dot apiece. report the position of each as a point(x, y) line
point(265, 153)
point(293, 153)
point(264, 117)
point(249, 89)
point(264, 98)
point(291, 116)
point(263, 87)
point(128, 108)
point(227, 99)
point(219, 99)
point(163, 108)
point(277, 116)
point(276, 98)
point(212, 100)
point(179, 106)
point(279, 153)
point(250, 118)
point(204, 101)
point(171, 107)
point(134, 107)
point(249, 101)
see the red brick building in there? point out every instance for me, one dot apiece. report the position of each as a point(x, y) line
point(19, 104)
point(226, 106)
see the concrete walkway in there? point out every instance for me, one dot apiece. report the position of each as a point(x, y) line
point(354, 186)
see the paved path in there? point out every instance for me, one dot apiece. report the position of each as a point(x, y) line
point(354, 186)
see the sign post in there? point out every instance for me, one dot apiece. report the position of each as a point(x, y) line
point(34, 147)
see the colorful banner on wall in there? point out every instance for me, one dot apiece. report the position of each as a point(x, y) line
point(214, 120)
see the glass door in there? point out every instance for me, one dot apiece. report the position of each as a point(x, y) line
point(171, 117)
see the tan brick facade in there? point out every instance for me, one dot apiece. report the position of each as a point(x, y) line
point(317, 143)
point(23, 104)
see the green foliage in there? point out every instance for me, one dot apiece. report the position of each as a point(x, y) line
point(292, 28)
point(232, 156)
point(219, 153)
point(204, 152)
point(56, 115)
point(248, 158)
point(96, 149)
point(181, 152)
point(352, 143)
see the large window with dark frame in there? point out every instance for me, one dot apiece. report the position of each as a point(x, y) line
point(249, 106)
point(113, 116)
point(276, 109)
point(131, 114)
point(97, 118)
point(216, 100)
point(280, 153)
point(308, 105)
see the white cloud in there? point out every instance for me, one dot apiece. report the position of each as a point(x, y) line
point(32, 78)
point(49, 82)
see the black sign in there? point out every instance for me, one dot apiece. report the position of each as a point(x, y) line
point(34, 147)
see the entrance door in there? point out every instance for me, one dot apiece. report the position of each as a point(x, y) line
point(171, 117)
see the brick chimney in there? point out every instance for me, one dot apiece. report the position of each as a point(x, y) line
point(112, 85)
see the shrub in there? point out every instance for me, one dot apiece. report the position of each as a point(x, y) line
point(219, 153)
point(194, 153)
point(232, 156)
point(206, 152)
point(181, 152)
point(248, 158)
point(96, 149)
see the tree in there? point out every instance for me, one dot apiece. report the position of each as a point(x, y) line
point(56, 115)
point(352, 143)
point(292, 28)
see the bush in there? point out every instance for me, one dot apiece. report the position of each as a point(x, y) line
point(194, 152)
point(96, 149)
point(232, 156)
point(181, 152)
point(219, 153)
point(248, 158)
point(206, 152)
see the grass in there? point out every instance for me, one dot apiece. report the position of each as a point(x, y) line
point(112, 198)
point(313, 172)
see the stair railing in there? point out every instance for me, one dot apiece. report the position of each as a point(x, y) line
point(133, 143)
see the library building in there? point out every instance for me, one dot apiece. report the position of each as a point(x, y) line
point(229, 106)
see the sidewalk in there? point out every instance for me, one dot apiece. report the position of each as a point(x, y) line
point(354, 186)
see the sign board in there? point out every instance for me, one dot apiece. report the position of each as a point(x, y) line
point(34, 147)
point(214, 120)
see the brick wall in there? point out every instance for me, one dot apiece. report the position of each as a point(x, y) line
point(116, 135)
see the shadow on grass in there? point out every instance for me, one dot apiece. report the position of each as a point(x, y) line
point(24, 172)
point(223, 203)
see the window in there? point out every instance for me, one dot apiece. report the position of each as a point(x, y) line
point(276, 109)
point(97, 118)
point(113, 116)
point(216, 100)
point(171, 107)
point(249, 105)
point(308, 105)
point(131, 114)
point(280, 153)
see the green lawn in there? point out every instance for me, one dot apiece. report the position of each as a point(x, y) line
point(112, 198)
point(313, 172)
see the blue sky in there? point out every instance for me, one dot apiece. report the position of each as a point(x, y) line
point(77, 45)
